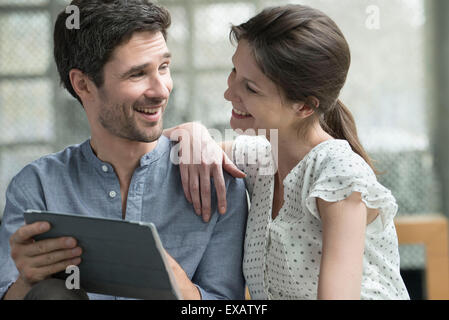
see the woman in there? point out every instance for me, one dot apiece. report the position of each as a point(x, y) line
point(321, 226)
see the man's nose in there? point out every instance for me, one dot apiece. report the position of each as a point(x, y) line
point(159, 87)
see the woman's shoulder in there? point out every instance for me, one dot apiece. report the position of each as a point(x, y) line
point(334, 167)
point(336, 158)
point(252, 155)
point(335, 171)
point(248, 142)
point(251, 151)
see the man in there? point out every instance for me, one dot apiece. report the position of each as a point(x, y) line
point(117, 65)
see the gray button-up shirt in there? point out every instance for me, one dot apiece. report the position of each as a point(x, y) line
point(76, 181)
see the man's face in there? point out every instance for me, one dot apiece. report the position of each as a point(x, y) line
point(136, 89)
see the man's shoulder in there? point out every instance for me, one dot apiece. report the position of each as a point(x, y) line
point(230, 181)
point(51, 162)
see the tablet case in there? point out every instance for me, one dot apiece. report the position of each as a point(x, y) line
point(120, 258)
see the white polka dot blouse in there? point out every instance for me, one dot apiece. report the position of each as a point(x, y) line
point(282, 256)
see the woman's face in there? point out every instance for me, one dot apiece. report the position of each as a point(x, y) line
point(256, 100)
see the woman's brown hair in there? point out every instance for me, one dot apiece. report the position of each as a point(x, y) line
point(304, 52)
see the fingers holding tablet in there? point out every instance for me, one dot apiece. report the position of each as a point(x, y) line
point(37, 260)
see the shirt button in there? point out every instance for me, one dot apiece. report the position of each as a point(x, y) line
point(104, 168)
point(112, 194)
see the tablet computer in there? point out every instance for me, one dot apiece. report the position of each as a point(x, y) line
point(120, 258)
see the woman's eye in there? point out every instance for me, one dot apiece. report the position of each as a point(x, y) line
point(249, 89)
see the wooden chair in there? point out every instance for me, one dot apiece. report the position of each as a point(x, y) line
point(432, 231)
point(247, 295)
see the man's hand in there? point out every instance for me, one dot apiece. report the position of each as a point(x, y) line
point(37, 260)
point(188, 290)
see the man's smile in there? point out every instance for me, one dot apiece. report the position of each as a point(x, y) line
point(150, 114)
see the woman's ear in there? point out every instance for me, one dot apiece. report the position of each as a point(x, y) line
point(306, 108)
point(81, 84)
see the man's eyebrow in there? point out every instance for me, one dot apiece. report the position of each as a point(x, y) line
point(134, 69)
point(138, 68)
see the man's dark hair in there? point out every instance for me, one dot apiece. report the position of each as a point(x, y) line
point(104, 25)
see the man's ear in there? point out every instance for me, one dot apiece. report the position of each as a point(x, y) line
point(305, 109)
point(82, 85)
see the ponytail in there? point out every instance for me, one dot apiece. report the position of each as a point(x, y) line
point(340, 124)
point(305, 54)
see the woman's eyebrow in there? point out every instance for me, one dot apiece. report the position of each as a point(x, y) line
point(247, 79)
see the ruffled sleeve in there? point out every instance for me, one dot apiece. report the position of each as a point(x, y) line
point(339, 176)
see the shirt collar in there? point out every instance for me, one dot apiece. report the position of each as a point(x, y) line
point(161, 148)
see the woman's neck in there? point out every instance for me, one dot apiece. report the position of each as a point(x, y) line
point(291, 148)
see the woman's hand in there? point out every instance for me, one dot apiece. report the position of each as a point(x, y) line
point(201, 158)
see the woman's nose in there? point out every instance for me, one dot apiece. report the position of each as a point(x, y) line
point(227, 94)
point(230, 94)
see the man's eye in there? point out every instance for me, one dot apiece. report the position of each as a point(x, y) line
point(165, 66)
point(138, 75)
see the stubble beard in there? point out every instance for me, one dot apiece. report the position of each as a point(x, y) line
point(123, 124)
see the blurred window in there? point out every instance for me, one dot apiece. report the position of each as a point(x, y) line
point(386, 88)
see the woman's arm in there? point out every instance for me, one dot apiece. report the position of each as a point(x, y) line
point(200, 159)
point(344, 226)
